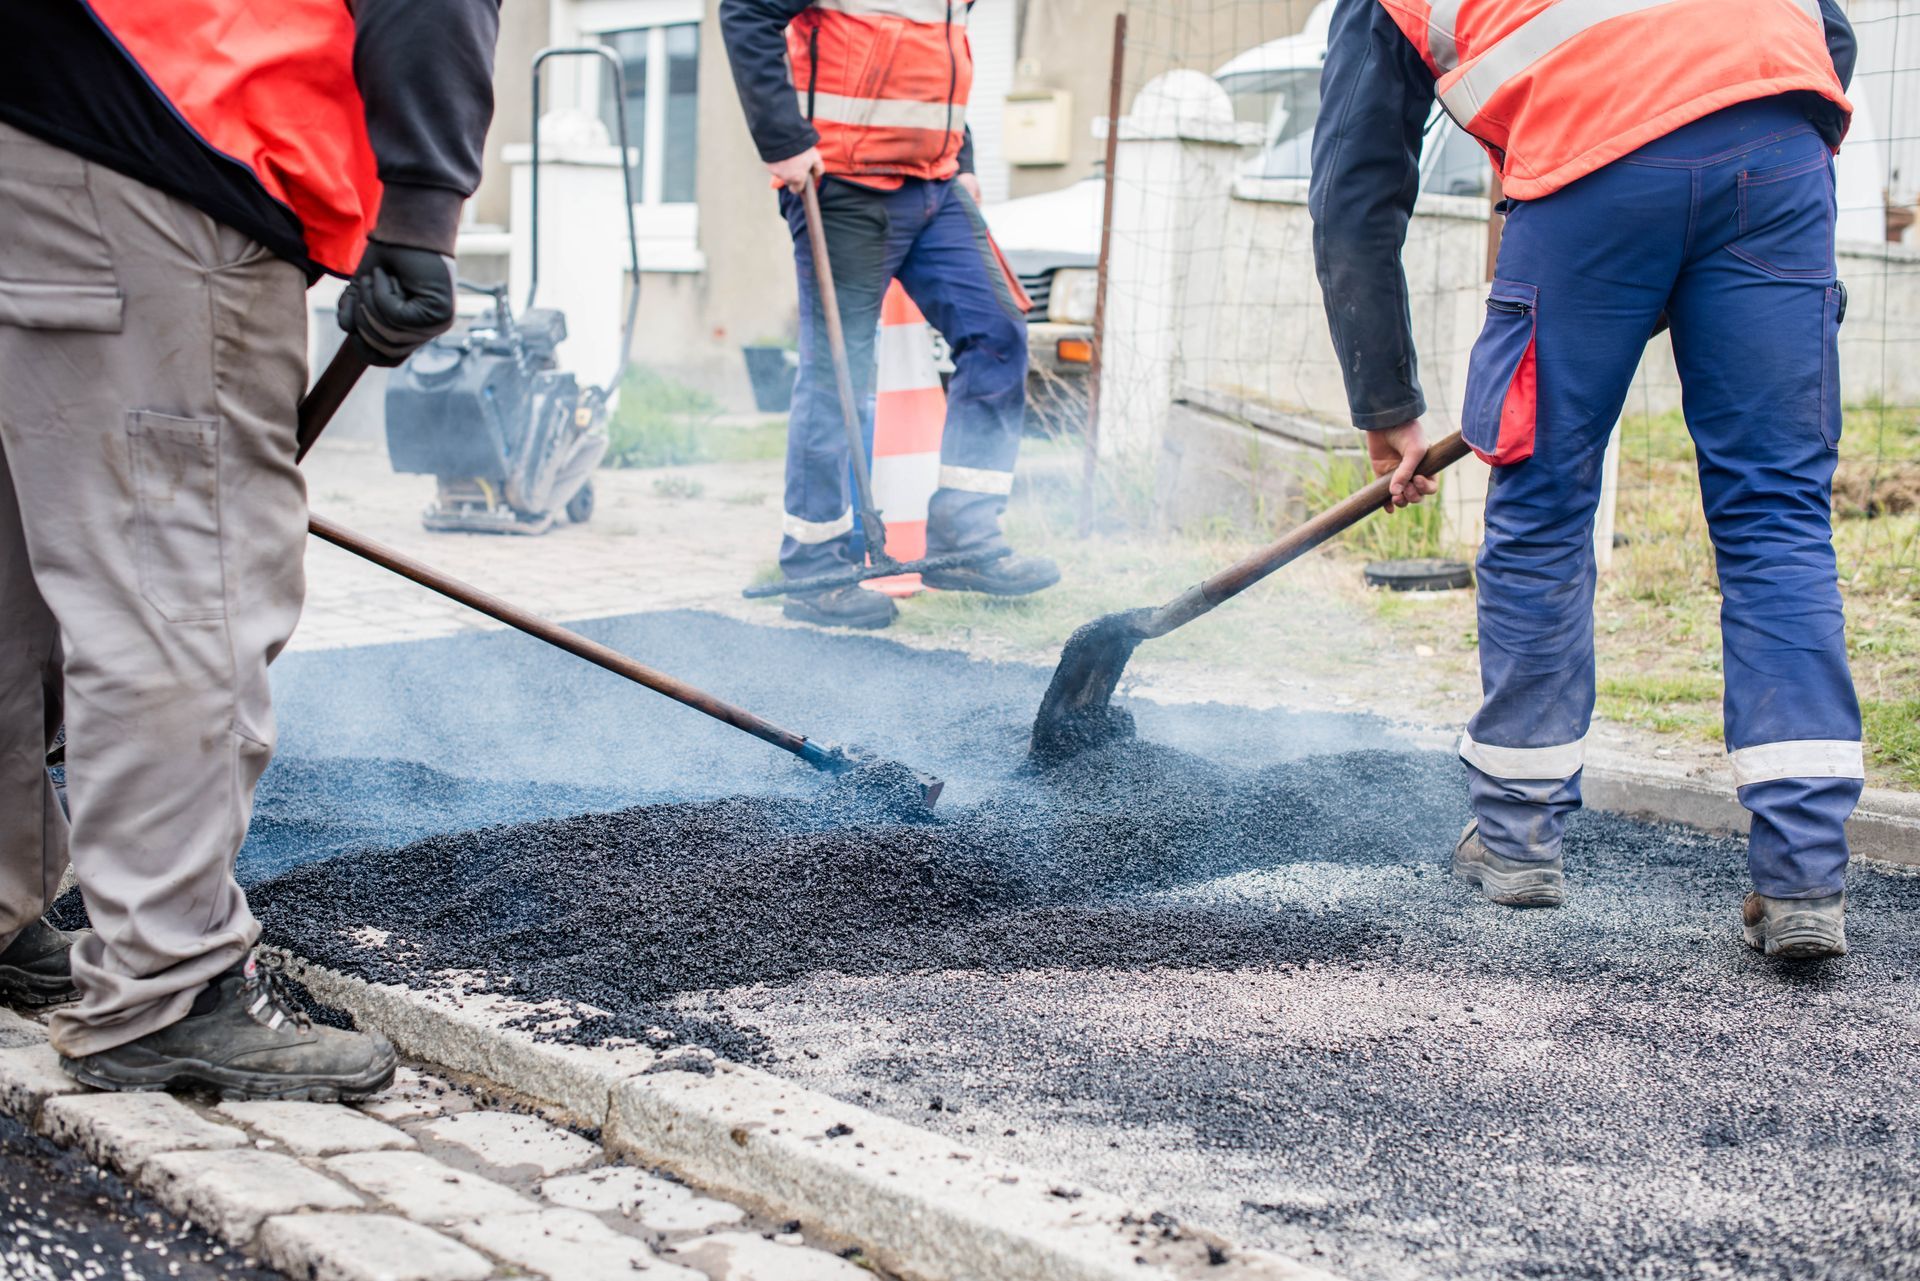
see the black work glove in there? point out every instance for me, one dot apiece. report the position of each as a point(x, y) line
point(400, 298)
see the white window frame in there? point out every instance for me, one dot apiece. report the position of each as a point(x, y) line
point(669, 233)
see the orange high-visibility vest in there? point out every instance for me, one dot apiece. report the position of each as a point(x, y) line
point(1555, 89)
point(885, 83)
point(268, 83)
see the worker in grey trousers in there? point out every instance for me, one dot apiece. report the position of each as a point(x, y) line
point(153, 328)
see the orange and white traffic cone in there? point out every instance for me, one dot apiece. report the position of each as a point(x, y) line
point(909, 413)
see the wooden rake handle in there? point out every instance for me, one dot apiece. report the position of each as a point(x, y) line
point(1303, 538)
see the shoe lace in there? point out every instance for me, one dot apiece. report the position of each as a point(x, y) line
point(269, 995)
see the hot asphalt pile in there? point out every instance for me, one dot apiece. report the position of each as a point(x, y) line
point(1236, 981)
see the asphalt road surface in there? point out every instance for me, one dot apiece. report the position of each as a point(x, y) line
point(64, 1219)
point(1221, 968)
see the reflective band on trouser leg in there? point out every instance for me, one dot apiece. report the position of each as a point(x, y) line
point(1805, 758)
point(976, 480)
point(812, 532)
point(1561, 761)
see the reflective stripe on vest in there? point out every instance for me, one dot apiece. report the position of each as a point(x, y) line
point(1555, 89)
point(1526, 44)
point(885, 113)
point(928, 11)
point(268, 83)
point(885, 82)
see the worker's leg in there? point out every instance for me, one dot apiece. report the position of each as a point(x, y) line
point(33, 830)
point(151, 361)
point(1756, 324)
point(864, 245)
point(1582, 276)
point(952, 275)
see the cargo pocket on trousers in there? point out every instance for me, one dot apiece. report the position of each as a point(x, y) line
point(1832, 315)
point(1502, 377)
point(55, 268)
point(176, 483)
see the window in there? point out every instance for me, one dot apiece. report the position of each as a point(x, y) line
point(661, 68)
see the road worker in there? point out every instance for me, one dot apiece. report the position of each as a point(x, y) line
point(1662, 164)
point(172, 177)
point(899, 200)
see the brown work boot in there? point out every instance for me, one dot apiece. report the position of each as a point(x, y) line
point(34, 970)
point(853, 606)
point(1795, 929)
point(246, 1039)
point(1510, 882)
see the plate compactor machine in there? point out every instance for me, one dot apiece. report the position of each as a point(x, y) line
point(512, 439)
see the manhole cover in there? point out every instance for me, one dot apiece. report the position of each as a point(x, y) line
point(1423, 575)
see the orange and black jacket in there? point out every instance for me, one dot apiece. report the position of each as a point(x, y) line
point(880, 86)
point(416, 75)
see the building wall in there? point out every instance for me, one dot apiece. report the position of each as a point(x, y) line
point(1066, 44)
point(523, 33)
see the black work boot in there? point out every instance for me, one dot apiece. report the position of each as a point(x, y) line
point(34, 969)
point(841, 607)
point(1795, 929)
point(1510, 882)
point(1008, 576)
point(246, 1039)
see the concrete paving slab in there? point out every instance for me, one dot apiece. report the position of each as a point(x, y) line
point(427, 1190)
point(513, 1141)
point(315, 1129)
point(657, 1204)
point(30, 1075)
point(742, 1256)
point(957, 1213)
point(366, 1247)
point(570, 1245)
point(232, 1192)
point(416, 1095)
point(125, 1131)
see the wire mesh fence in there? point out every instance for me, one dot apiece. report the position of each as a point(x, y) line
point(1222, 395)
point(1214, 312)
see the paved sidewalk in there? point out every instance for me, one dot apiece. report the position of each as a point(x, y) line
point(431, 1181)
point(659, 539)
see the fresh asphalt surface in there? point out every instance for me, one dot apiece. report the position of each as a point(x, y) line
point(1221, 969)
point(64, 1219)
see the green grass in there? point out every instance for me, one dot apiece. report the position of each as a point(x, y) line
point(659, 422)
point(1658, 610)
point(1411, 533)
point(1893, 728)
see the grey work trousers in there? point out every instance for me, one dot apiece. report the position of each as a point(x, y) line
point(152, 525)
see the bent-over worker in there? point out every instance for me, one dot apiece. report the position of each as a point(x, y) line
point(172, 177)
point(1662, 163)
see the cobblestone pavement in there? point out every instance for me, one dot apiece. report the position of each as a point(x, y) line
point(693, 536)
point(432, 1181)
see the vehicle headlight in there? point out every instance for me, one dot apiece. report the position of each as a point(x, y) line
point(1072, 299)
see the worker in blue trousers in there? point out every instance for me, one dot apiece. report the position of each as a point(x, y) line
point(1663, 164)
point(869, 98)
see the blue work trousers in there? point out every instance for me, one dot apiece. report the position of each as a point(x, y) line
point(931, 237)
point(1725, 226)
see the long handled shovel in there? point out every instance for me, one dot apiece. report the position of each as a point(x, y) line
point(1077, 712)
point(318, 407)
point(879, 564)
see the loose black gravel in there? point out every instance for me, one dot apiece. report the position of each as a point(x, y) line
point(64, 1219)
point(1221, 968)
